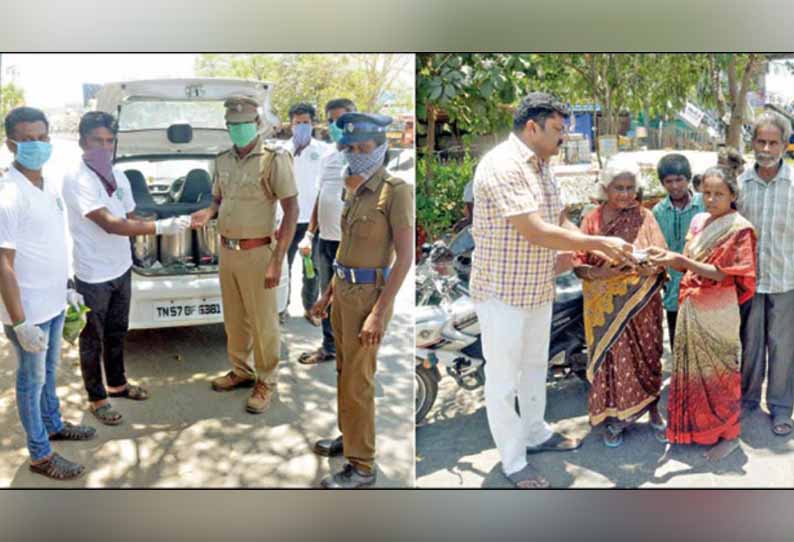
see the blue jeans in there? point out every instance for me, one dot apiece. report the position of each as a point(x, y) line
point(37, 401)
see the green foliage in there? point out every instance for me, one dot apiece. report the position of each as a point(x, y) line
point(437, 211)
point(477, 91)
point(12, 96)
point(370, 80)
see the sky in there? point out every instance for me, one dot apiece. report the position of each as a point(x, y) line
point(56, 80)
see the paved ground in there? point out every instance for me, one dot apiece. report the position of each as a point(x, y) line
point(186, 435)
point(455, 449)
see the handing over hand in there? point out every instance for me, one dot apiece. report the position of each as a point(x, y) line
point(200, 218)
point(172, 226)
point(660, 256)
point(613, 249)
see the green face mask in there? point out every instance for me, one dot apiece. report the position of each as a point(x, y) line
point(242, 134)
point(335, 132)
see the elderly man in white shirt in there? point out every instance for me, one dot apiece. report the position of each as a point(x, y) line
point(307, 153)
point(33, 292)
point(100, 209)
point(325, 229)
point(766, 199)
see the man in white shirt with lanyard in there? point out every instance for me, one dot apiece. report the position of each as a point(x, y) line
point(307, 153)
point(325, 231)
point(33, 275)
point(100, 209)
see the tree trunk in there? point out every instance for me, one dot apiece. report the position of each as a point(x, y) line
point(733, 138)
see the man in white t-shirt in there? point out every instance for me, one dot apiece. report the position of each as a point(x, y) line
point(325, 228)
point(307, 153)
point(33, 292)
point(100, 208)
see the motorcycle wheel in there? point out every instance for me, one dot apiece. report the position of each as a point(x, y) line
point(426, 390)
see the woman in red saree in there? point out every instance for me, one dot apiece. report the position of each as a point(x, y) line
point(719, 265)
point(622, 311)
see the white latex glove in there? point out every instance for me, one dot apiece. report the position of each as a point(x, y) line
point(74, 299)
point(31, 338)
point(305, 246)
point(172, 226)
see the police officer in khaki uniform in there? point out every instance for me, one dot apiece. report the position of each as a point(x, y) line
point(249, 181)
point(377, 224)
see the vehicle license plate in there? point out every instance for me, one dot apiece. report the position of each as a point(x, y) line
point(193, 309)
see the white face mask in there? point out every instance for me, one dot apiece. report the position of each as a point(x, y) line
point(363, 162)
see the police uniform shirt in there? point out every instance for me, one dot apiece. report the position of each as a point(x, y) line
point(249, 189)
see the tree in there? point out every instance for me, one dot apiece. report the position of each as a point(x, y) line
point(476, 91)
point(661, 84)
point(11, 96)
point(372, 81)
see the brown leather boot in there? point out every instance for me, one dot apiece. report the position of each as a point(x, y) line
point(231, 381)
point(260, 399)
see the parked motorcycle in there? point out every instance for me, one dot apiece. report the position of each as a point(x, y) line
point(448, 332)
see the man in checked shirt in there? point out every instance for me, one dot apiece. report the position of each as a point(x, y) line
point(519, 224)
point(766, 198)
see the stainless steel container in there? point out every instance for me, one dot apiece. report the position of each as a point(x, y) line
point(177, 249)
point(208, 243)
point(144, 247)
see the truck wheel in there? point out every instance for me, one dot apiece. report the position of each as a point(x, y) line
point(426, 390)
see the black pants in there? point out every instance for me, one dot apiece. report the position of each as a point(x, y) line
point(309, 290)
point(672, 317)
point(324, 255)
point(104, 333)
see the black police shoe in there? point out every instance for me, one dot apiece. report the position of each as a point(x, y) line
point(349, 478)
point(329, 447)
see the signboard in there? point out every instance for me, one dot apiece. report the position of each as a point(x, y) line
point(691, 115)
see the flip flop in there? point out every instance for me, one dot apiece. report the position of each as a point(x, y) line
point(530, 477)
point(313, 358)
point(613, 438)
point(659, 427)
point(136, 393)
point(556, 443)
point(782, 425)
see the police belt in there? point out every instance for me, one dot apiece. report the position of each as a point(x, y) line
point(360, 275)
point(245, 244)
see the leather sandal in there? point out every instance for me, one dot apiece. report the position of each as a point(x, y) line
point(106, 415)
point(528, 478)
point(136, 393)
point(71, 431)
point(556, 443)
point(782, 425)
point(58, 468)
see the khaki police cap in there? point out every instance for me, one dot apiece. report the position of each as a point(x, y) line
point(240, 109)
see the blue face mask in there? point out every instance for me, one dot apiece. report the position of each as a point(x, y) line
point(32, 155)
point(301, 134)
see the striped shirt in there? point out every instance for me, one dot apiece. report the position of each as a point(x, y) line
point(511, 181)
point(674, 223)
point(770, 208)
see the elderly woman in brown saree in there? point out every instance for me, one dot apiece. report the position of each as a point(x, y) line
point(622, 310)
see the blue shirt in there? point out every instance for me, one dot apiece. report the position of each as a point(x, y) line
point(674, 223)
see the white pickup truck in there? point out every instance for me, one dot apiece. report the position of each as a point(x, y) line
point(170, 131)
